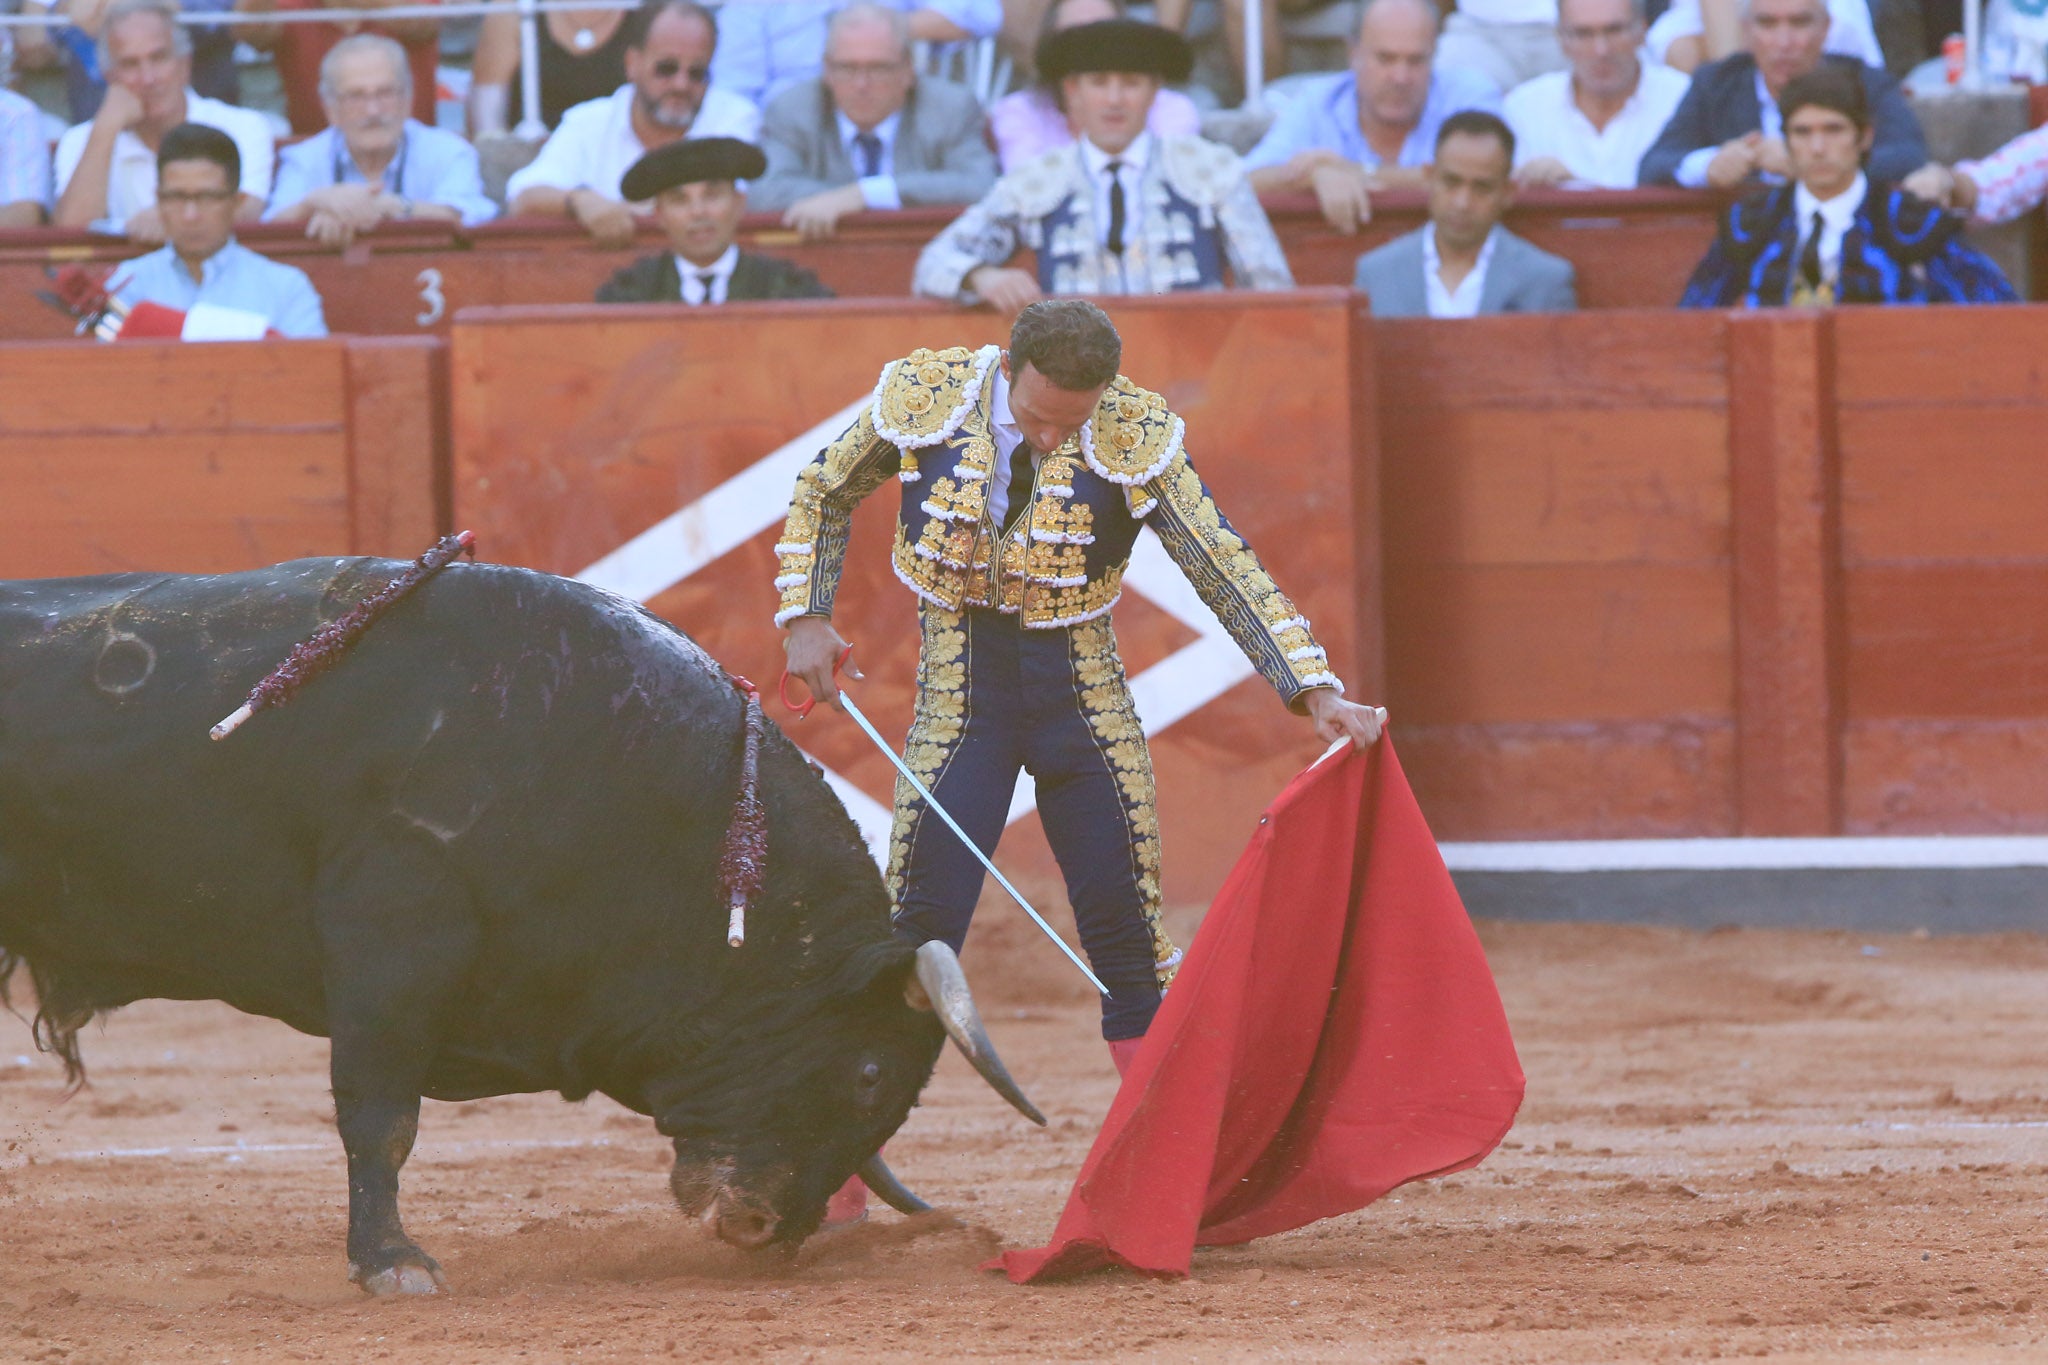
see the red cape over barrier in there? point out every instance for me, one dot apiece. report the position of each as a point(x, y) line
point(1333, 1033)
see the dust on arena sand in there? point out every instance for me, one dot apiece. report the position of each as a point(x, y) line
point(1811, 1146)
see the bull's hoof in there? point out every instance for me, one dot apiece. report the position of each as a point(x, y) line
point(409, 1273)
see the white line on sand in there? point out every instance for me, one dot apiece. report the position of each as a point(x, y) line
point(1930, 852)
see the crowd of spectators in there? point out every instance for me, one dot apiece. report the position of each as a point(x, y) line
point(1097, 162)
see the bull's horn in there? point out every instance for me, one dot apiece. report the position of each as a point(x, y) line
point(940, 984)
point(878, 1177)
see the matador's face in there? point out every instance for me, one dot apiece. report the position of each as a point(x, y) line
point(1047, 414)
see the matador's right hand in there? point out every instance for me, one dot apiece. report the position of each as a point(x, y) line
point(812, 649)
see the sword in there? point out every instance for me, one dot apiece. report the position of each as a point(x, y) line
point(804, 709)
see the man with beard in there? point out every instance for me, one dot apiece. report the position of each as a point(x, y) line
point(696, 187)
point(667, 97)
point(372, 164)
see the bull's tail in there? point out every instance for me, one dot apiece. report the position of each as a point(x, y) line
point(59, 1015)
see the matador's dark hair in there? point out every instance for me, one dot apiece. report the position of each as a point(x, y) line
point(1831, 87)
point(1069, 341)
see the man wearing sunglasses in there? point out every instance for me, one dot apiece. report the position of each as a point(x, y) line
point(226, 291)
point(667, 96)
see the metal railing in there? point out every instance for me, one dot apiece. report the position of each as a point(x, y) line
point(985, 70)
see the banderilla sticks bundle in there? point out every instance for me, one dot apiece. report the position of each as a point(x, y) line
point(323, 649)
point(743, 854)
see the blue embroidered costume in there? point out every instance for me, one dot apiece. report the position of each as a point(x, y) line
point(1900, 249)
point(1019, 667)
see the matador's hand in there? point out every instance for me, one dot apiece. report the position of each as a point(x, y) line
point(813, 649)
point(1337, 718)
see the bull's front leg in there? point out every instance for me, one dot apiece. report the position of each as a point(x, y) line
point(377, 1132)
point(398, 939)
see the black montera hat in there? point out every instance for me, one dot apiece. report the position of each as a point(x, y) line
point(690, 159)
point(1115, 45)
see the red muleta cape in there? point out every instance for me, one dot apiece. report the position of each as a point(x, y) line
point(1334, 1032)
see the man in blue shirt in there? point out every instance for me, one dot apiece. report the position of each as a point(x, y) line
point(1375, 126)
point(372, 164)
point(204, 272)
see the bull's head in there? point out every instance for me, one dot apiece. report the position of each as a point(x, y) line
point(764, 1178)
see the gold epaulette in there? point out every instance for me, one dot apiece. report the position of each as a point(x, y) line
point(1133, 436)
point(924, 397)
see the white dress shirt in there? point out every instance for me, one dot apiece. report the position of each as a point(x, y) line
point(877, 191)
point(1547, 121)
point(1837, 215)
point(1850, 32)
point(1002, 427)
point(131, 172)
point(594, 145)
point(694, 288)
point(1692, 172)
point(1131, 170)
point(1462, 302)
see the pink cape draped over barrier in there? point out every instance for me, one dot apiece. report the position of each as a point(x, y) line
point(1334, 1032)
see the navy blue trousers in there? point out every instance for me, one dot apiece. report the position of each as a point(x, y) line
point(992, 699)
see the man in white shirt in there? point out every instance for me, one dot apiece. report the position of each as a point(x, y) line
point(871, 133)
point(667, 96)
point(106, 169)
point(1463, 263)
point(1589, 125)
point(1509, 41)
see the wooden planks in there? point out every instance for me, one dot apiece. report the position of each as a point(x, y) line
point(158, 455)
point(1788, 632)
point(1557, 569)
point(1944, 567)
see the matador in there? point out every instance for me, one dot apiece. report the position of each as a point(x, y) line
point(1026, 476)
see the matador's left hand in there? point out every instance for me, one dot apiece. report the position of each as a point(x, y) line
point(1337, 718)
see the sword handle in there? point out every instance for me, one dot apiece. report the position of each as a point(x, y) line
point(804, 708)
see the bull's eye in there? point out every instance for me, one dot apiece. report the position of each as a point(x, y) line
point(871, 1074)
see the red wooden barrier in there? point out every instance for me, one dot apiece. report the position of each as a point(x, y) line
point(1643, 573)
point(156, 455)
point(1944, 568)
point(578, 430)
point(1559, 636)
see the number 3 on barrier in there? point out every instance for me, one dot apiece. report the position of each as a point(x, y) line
point(429, 281)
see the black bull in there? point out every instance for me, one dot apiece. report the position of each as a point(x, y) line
point(479, 856)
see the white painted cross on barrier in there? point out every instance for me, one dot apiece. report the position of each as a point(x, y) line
point(756, 500)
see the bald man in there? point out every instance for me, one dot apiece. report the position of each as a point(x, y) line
point(1373, 127)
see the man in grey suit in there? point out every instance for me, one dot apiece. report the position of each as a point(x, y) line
point(1463, 262)
point(870, 133)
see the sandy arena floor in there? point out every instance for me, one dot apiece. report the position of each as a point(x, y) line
point(1805, 1146)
